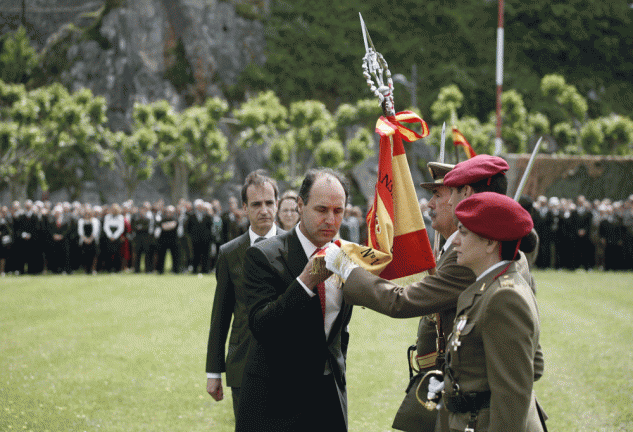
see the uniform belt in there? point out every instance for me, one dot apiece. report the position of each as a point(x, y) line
point(467, 402)
point(426, 361)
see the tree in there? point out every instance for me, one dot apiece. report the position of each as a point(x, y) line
point(17, 57)
point(190, 144)
point(48, 131)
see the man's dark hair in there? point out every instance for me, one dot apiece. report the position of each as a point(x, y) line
point(313, 174)
point(258, 178)
point(497, 183)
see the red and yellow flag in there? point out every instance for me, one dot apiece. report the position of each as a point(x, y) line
point(398, 245)
point(459, 140)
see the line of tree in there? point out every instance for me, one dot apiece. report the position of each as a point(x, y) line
point(50, 137)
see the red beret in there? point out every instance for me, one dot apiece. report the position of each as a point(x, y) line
point(477, 168)
point(494, 216)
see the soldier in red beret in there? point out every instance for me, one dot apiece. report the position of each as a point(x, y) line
point(490, 361)
point(485, 173)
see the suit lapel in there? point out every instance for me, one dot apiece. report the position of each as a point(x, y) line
point(294, 254)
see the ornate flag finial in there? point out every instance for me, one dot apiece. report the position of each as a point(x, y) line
point(375, 68)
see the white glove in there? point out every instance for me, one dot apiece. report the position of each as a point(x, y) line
point(338, 262)
point(435, 388)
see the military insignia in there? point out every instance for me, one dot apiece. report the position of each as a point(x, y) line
point(461, 323)
point(507, 283)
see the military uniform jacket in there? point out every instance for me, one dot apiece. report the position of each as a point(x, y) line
point(492, 348)
point(434, 293)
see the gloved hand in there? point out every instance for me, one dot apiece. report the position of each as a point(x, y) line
point(435, 390)
point(338, 262)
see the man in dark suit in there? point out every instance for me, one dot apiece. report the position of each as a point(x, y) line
point(259, 201)
point(295, 372)
point(199, 228)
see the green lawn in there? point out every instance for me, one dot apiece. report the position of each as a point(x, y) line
point(127, 353)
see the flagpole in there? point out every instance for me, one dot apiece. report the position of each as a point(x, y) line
point(498, 140)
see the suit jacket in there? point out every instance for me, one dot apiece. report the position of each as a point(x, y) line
point(289, 350)
point(200, 231)
point(496, 352)
point(230, 302)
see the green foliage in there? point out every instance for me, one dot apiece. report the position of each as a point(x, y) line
point(571, 104)
point(566, 137)
point(17, 57)
point(330, 153)
point(618, 134)
point(444, 109)
point(591, 137)
point(539, 123)
point(360, 147)
point(515, 126)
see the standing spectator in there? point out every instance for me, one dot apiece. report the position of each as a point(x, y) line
point(88, 229)
point(217, 231)
point(543, 220)
point(6, 238)
point(59, 235)
point(167, 239)
point(234, 222)
point(611, 233)
point(200, 231)
point(113, 228)
point(143, 238)
point(126, 238)
point(184, 211)
point(584, 250)
point(28, 232)
point(287, 213)
point(259, 199)
point(72, 212)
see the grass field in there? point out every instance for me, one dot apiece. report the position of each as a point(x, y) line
point(127, 353)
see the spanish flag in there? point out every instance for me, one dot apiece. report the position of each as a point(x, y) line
point(398, 246)
point(459, 140)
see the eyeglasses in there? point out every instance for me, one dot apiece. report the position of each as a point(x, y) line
point(288, 211)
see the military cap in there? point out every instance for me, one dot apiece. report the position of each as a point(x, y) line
point(494, 216)
point(438, 171)
point(477, 168)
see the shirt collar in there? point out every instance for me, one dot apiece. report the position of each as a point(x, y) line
point(493, 267)
point(308, 247)
point(269, 234)
point(448, 241)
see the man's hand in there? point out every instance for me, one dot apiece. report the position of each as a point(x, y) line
point(214, 388)
point(309, 278)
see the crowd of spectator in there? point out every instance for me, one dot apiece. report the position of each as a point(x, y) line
point(584, 234)
point(39, 237)
point(579, 233)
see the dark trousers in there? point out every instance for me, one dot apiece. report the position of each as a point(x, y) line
point(201, 257)
point(264, 408)
point(168, 242)
point(235, 393)
point(142, 245)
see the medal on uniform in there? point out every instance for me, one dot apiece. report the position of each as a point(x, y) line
point(461, 323)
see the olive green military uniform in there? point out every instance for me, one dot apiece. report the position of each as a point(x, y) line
point(491, 356)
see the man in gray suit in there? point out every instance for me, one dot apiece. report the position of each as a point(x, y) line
point(259, 201)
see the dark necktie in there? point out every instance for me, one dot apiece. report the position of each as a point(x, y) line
point(258, 239)
point(321, 289)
